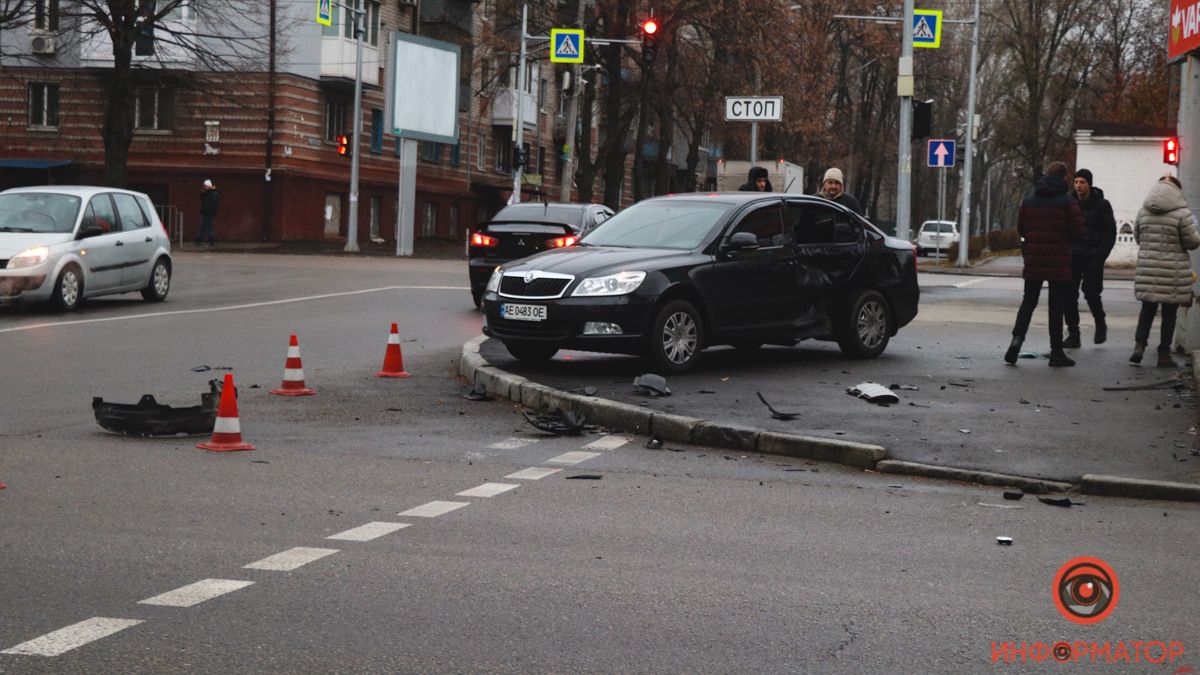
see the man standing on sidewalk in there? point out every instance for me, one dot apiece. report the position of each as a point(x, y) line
point(1087, 257)
point(1048, 222)
point(210, 201)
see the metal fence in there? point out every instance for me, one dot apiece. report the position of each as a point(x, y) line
point(172, 219)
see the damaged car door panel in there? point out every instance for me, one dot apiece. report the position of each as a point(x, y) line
point(673, 275)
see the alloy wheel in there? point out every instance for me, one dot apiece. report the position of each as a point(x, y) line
point(872, 324)
point(680, 337)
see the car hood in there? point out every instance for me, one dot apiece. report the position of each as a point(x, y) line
point(582, 261)
point(12, 243)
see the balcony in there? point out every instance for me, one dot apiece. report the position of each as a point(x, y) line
point(170, 52)
point(338, 56)
point(503, 109)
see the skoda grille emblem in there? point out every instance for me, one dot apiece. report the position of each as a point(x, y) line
point(529, 277)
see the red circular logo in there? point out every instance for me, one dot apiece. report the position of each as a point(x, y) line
point(1086, 590)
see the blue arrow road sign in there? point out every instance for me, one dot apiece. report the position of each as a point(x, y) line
point(941, 152)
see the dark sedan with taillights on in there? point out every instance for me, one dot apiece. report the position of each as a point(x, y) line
point(670, 276)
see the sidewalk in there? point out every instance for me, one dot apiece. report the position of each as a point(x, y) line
point(430, 249)
point(1004, 266)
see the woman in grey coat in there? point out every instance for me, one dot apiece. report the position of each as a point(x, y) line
point(1165, 233)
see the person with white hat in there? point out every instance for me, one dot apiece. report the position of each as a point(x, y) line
point(833, 190)
point(210, 201)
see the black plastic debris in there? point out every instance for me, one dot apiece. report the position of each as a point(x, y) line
point(1064, 502)
point(477, 392)
point(557, 422)
point(148, 417)
point(652, 385)
point(201, 369)
point(874, 392)
point(1162, 384)
point(654, 443)
point(777, 414)
point(1012, 495)
point(1004, 541)
point(585, 476)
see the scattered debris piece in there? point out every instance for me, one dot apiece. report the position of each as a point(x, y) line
point(148, 417)
point(586, 391)
point(964, 431)
point(1162, 384)
point(259, 461)
point(1001, 506)
point(652, 385)
point(477, 392)
point(904, 387)
point(1022, 401)
point(874, 393)
point(655, 442)
point(706, 391)
point(896, 486)
point(919, 405)
point(959, 384)
point(1027, 355)
point(779, 415)
point(201, 369)
point(557, 422)
point(1004, 541)
point(585, 476)
point(1013, 495)
point(1064, 502)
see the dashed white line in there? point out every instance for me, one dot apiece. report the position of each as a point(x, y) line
point(291, 559)
point(373, 530)
point(512, 443)
point(76, 635)
point(433, 509)
point(532, 473)
point(970, 282)
point(488, 490)
point(194, 594)
point(573, 457)
point(607, 443)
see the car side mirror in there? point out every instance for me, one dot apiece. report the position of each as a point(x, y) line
point(741, 241)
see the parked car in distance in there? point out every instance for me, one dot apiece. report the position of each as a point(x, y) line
point(936, 234)
point(520, 230)
point(62, 244)
point(672, 275)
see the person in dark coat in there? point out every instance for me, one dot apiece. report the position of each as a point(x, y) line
point(1087, 258)
point(833, 189)
point(757, 181)
point(1049, 220)
point(210, 201)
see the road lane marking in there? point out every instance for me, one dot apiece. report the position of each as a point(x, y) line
point(573, 457)
point(512, 443)
point(291, 559)
point(971, 282)
point(607, 443)
point(487, 490)
point(373, 530)
point(76, 635)
point(532, 473)
point(433, 509)
point(227, 308)
point(194, 594)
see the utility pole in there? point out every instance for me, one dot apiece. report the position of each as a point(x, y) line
point(352, 212)
point(964, 218)
point(518, 117)
point(904, 87)
point(568, 170)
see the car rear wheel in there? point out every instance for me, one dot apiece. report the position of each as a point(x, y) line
point(865, 326)
point(532, 352)
point(160, 282)
point(68, 289)
point(674, 342)
point(477, 296)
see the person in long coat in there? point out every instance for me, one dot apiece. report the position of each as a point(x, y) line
point(1165, 231)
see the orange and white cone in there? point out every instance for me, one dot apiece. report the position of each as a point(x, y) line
point(227, 432)
point(293, 374)
point(393, 360)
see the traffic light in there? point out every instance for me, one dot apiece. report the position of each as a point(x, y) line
point(343, 147)
point(518, 155)
point(649, 39)
point(1171, 150)
point(922, 124)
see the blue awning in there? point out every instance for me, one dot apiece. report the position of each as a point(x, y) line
point(34, 163)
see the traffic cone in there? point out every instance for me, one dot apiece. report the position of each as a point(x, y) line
point(393, 360)
point(227, 432)
point(293, 374)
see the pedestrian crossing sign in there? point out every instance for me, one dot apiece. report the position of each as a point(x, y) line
point(927, 28)
point(325, 12)
point(566, 45)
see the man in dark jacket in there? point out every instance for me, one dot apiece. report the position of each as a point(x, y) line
point(757, 181)
point(210, 201)
point(834, 189)
point(1087, 257)
point(1049, 220)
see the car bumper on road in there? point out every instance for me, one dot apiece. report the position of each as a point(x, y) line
point(567, 318)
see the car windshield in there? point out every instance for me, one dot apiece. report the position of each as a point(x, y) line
point(542, 213)
point(659, 224)
point(38, 212)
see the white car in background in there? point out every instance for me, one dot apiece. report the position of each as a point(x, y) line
point(62, 244)
point(936, 234)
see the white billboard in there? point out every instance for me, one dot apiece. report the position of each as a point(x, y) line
point(422, 96)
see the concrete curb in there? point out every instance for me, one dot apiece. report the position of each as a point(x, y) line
point(633, 419)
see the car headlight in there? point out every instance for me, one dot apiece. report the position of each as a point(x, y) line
point(621, 283)
point(493, 284)
point(29, 257)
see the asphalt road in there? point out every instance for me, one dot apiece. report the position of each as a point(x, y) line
point(684, 559)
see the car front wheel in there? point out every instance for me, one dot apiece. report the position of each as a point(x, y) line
point(532, 352)
point(674, 342)
point(160, 282)
point(865, 326)
point(68, 289)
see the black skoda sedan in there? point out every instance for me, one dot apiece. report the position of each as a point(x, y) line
point(672, 275)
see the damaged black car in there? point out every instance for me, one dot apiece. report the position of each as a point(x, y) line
point(673, 275)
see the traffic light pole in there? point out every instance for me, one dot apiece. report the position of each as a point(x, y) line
point(518, 116)
point(964, 218)
point(352, 210)
point(904, 87)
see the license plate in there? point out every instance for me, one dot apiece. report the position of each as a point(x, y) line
point(523, 312)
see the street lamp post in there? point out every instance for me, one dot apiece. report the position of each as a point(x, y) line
point(964, 218)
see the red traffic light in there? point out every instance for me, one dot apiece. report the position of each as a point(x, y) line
point(343, 142)
point(1171, 151)
point(650, 27)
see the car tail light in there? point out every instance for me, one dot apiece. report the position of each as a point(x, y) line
point(916, 265)
point(480, 239)
point(560, 242)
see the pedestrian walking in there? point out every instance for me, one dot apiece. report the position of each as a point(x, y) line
point(1087, 258)
point(1165, 231)
point(210, 201)
point(757, 181)
point(1049, 220)
point(833, 188)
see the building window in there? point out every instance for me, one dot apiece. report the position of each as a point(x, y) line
point(376, 131)
point(43, 104)
point(541, 162)
point(542, 84)
point(429, 219)
point(453, 218)
point(481, 152)
point(455, 156)
point(335, 119)
point(430, 152)
point(503, 153)
point(371, 34)
point(376, 207)
point(45, 15)
point(152, 109)
point(181, 12)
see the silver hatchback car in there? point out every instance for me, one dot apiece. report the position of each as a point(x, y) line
point(63, 243)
